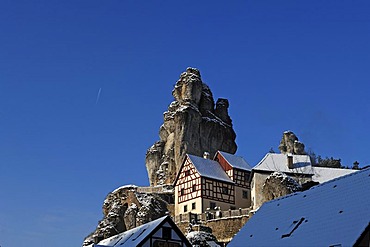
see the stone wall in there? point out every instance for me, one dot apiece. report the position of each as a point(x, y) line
point(224, 229)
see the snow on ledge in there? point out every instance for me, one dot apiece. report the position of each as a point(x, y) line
point(128, 186)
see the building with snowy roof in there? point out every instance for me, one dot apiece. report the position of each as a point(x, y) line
point(205, 184)
point(298, 167)
point(324, 174)
point(335, 213)
point(160, 232)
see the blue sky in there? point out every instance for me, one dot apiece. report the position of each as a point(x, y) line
point(297, 65)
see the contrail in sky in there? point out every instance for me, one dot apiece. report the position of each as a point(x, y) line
point(97, 97)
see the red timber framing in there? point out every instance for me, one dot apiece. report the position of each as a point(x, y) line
point(225, 165)
point(218, 191)
point(239, 176)
point(188, 182)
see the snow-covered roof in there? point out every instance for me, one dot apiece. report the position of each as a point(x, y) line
point(236, 161)
point(209, 168)
point(278, 162)
point(133, 237)
point(324, 174)
point(330, 214)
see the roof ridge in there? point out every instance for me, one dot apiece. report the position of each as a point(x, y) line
point(342, 177)
point(263, 159)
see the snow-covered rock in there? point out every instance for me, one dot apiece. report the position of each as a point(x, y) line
point(192, 124)
point(279, 184)
point(200, 239)
point(124, 209)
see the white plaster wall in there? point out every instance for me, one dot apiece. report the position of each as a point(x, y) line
point(240, 202)
point(179, 207)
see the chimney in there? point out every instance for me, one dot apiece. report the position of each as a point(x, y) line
point(206, 155)
point(290, 161)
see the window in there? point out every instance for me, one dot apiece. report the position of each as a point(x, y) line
point(182, 192)
point(245, 194)
point(246, 176)
point(166, 233)
point(193, 205)
point(194, 187)
point(225, 190)
point(187, 173)
point(185, 208)
point(212, 205)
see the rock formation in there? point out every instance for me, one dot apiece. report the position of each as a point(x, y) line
point(200, 238)
point(290, 144)
point(124, 209)
point(193, 124)
point(278, 184)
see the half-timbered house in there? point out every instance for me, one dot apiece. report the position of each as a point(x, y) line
point(239, 171)
point(204, 184)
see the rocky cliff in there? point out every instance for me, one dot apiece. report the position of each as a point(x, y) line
point(193, 124)
point(290, 144)
point(126, 208)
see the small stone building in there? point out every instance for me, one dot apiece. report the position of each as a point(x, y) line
point(296, 166)
point(204, 184)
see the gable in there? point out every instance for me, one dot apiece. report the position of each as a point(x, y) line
point(161, 230)
point(188, 182)
point(233, 160)
point(187, 172)
point(223, 162)
point(166, 234)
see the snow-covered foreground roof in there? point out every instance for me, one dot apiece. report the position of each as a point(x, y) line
point(133, 237)
point(140, 235)
point(209, 168)
point(333, 213)
point(324, 174)
point(278, 162)
point(236, 161)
